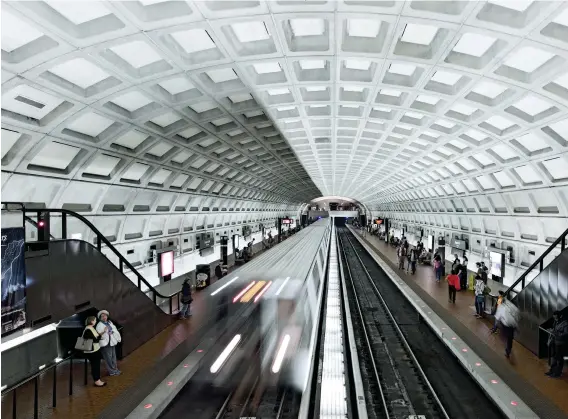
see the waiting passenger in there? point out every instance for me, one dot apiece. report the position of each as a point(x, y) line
point(479, 296)
point(401, 252)
point(508, 317)
point(94, 355)
point(186, 299)
point(413, 260)
point(220, 272)
point(110, 337)
point(499, 301)
point(453, 286)
point(462, 273)
point(558, 344)
point(438, 268)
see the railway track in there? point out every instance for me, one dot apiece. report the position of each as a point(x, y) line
point(397, 385)
point(406, 369)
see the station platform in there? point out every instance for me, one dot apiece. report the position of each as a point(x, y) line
point(523, 372)
point(141, 371)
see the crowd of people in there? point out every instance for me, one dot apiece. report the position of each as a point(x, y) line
point(506, 315)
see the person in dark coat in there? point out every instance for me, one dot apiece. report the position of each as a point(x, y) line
point(186, 299)
point(558, 343)
point(94, 355)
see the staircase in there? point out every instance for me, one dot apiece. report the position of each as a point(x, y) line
point(539, 298)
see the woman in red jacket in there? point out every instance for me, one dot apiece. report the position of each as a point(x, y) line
point(453, 286)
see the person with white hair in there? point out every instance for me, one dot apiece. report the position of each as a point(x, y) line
point(110, 337)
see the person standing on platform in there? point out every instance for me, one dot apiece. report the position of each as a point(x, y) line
point(110, 337)
point(462, 273)
point(438, 268)
point(508, 316)
point(94, 355)
point(413, 260)
point(401, 256)
point(479, 296)
point(499, 301)
point(558, 343)
point(186, 299)
point(453, 286)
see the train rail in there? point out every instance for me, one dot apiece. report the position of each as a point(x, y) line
point(397, 384)
point(406, 370)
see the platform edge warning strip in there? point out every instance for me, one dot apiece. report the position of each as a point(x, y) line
point(508, 401)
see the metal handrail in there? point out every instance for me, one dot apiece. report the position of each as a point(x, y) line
point(100, 240)
point(13, 389)
point(540, 262)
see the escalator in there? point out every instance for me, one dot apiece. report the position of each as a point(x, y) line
point(539, 298)
point(66, 277)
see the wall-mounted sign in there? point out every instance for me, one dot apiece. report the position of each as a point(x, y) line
point(13, 280)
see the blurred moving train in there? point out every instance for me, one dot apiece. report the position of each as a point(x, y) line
point(265, 316)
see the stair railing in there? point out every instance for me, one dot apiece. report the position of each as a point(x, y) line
point(561, 240)
point(100, 240)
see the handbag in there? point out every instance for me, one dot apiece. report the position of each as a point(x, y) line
point(83, 344)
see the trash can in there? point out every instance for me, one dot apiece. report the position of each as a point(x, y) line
point(202, 276)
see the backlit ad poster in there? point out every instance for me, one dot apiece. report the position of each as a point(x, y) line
point(13, 280)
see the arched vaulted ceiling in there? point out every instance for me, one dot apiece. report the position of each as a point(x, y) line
point(283, 101)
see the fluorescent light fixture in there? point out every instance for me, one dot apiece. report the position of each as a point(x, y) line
point(240, 294)
point(390, 92)
point(265, 68)
point(316, 88)
point(276, 92)
point(282, 286)
point(474, 44)
point(528, 59)
point(363, 28)
point(527, 174)
point(250, 31)
point(224, 286)
point(446, 77)
point(194, 40)
point(489, 89)
point(312, 64)
point(280, 354)
point(225, 354)
point(16, 33)
point(430, 100)
point(463, 109)
point(357, 64)
point(261, 293)
point(499, 122)
point(41, 367)
point(517, 5)
point(561, 19)
point(307, 27)
point(3, 388)
point(402, 69)
point(419, 34)
point(504, 151)
point(532, 105)
point(222, 75)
